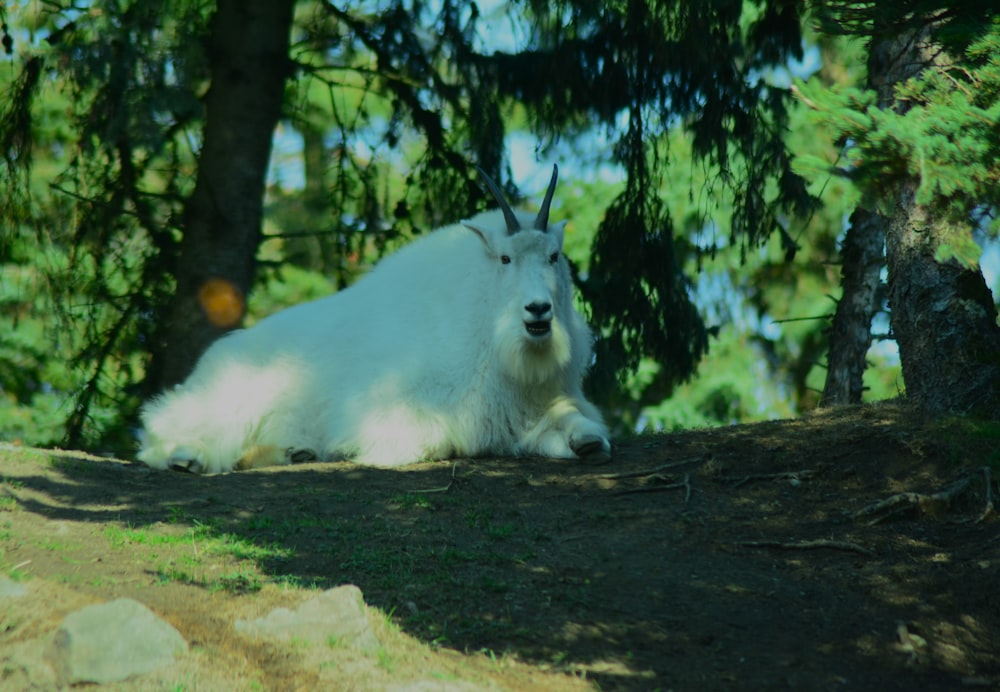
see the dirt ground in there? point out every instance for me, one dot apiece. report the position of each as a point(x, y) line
point(856, 550)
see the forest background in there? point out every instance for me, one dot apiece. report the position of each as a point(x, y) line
point(175, 169)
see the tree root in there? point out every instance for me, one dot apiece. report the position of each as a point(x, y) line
point(927, 503)
point(989, 510)
point(792, 476)
point(686, 484)
point(443, 488)
point(655, 471)
point(810, 545)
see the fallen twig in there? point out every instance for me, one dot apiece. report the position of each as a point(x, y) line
point(443, 488)
point(686, 484)
point(780, 476)
point(989, 510)
point(653, 471)
point(810, 545)
point(901, 502)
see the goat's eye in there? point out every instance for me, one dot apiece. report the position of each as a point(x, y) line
point(553, 258)
point(504, 259)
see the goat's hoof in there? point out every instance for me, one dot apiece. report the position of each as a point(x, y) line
point(593, 449)
point(185, 465)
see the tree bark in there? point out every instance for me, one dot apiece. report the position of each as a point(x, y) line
point(249, 63)
point(863, 253)
point(943, 318)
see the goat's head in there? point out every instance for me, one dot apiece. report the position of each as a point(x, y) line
point(533, 284)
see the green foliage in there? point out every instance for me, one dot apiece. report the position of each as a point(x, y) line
point(657, 65)
point(945, 136)
point(109, 120)
point(687, 100)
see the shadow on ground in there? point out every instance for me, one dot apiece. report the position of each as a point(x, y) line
point(715, 559)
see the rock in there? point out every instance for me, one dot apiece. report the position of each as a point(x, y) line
point(336, 616)
point(112, 641)
point(12, 589)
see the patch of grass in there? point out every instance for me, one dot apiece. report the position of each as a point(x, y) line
point(17, 574)
point(177, 515)
point(410, 501)
point(500, 531)
point(494, 585)
point(8, 496)
point(70, 579)
point(123, 536)
point(54, 545)
point(385, 660)
point(259, 523)
point(244, 549)
point(102, 581)
point(241, 581)
point(395, 629)
point(294, 581)
point(202, 536)
point(172, 574)
point(474, 518)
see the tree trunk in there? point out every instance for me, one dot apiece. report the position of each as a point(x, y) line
point(942, 314)
point(249, 62)
point(863, 257)
point(943, 317)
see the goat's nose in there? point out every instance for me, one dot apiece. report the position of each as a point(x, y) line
point(538, 309)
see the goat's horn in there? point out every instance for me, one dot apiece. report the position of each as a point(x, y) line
point(542, 220)
point(513, 226)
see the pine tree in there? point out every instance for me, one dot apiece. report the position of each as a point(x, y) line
point(923, 152)
point(248, 63)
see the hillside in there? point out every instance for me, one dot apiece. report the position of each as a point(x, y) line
point(849, 550)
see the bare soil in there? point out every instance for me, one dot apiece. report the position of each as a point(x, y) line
point(856, 549)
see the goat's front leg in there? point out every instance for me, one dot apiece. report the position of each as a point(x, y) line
point(571, 427)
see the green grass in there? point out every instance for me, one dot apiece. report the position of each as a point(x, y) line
point(240, 581)
point(409, 501)
point(204, 537)
point(8, 495)
point(184, 554)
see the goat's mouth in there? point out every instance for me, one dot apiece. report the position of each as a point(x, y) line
point(539, 328)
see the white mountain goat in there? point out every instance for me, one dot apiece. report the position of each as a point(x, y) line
point(463, 343)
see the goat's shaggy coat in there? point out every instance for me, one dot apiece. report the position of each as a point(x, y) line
point(463, 343)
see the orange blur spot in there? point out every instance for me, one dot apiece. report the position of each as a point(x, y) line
point(222, 302)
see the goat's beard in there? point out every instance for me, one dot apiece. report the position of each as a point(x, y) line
point(528, 359)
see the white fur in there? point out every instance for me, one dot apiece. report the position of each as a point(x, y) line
point(427, 357)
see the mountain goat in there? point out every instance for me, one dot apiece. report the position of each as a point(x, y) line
point(463, 343)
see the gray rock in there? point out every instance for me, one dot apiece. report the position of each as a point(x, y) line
point(12, 589)
point(112, 641)
point(336, 617)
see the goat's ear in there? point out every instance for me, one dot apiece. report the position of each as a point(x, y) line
point(556, 231)
point(481, 232)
